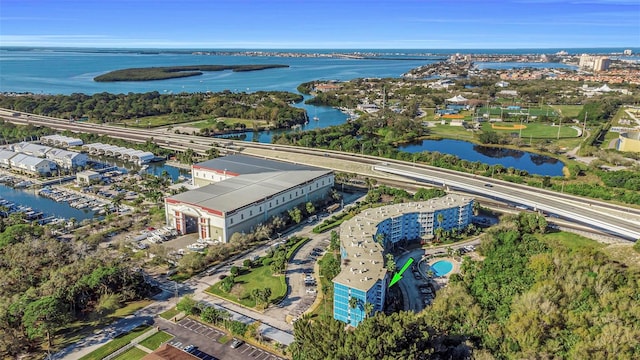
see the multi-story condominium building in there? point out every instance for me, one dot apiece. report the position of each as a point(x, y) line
point(365, 238)
point(240, 192)
point(594, 63)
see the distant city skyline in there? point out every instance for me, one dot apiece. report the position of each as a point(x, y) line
point(321, 24)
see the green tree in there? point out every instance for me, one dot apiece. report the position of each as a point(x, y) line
point(368, 309)
point(391, 264)
point(43, 316)
point(353, 302)
point(295, 214)
point(334, 242)
point(310, 208)
point(234, 271)
point(187, 305)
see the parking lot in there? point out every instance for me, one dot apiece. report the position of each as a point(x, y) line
point(205, 338)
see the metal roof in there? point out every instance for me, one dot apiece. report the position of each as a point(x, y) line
point(243, 164)
point(240, 191)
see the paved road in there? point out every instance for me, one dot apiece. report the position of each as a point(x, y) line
point(626, 224)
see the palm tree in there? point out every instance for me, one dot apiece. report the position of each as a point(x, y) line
point(353, 302)
point(117, 201)
point(368, 309)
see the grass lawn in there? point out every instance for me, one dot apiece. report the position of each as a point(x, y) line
point(571, 241)
point(169, 314)
point(156, 121)
point(154, 341)
point(78, 330)
point(257, 278)
point(535, 130)
point(568, 110)
point(115, 344)
point(326, 305)
point(452, 132)
point(132, 354)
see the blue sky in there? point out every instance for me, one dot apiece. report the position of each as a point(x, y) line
point(392, 24)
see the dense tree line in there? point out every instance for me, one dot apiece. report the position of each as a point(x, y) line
point(11, 133)
point(527, 298)
point(48, 284)
point(273, 106)
point(401, 335)
point(531, 299)
point(171, 72)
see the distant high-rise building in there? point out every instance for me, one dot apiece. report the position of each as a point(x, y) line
point(601, 63)
point(594, 63)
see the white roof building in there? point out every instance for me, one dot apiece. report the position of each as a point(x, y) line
point(67, 159)
point(31, 149)
point(60, 140)
point(133, 155)
point(5, 156)
point(32, 164)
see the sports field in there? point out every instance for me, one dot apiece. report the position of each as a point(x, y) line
point(533, 130)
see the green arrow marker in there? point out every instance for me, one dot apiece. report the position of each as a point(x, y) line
point(397, 276)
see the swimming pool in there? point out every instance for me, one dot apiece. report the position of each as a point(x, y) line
point(442, 267)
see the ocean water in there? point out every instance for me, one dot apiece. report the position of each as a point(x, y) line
point(67, 71)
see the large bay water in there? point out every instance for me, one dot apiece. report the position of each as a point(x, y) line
point(51, 71)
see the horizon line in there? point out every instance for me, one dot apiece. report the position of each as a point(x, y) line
point(310, 48)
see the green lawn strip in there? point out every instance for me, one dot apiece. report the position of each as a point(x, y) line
point(156, 121)
point(326, 305)
point(169, 314)
point(257, 278)
point(115, 344)
point(448, 131)
point(224, 339)
point(132, 354)
point(78, 330)
point(295, 248)
point(570, 241)
point(154, 341)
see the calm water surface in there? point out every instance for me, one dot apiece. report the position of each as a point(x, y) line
point(57, 72)
point(47, 206)
point(533, 163)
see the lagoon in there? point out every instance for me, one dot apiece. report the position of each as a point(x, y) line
point(522, 160)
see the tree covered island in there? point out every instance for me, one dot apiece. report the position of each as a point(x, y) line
point(171, 72)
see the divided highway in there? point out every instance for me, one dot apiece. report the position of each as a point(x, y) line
point(615, 219)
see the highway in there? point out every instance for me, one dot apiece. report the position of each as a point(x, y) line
point(615, 219)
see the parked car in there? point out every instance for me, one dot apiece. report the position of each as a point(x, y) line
point(235, 343)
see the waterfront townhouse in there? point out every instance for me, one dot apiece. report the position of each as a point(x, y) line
point(67, 159)
point(32, 164)
point(365, 238)
point(32, 149)
point(5, 157)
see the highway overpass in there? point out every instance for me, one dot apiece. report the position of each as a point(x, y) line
point(616, 219)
